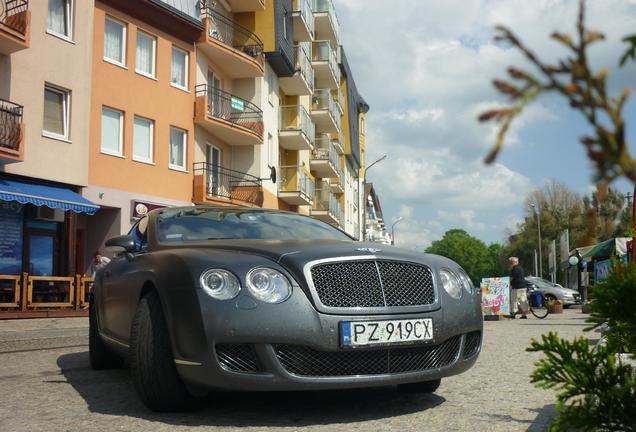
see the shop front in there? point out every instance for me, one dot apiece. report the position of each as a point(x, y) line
point(38, 246)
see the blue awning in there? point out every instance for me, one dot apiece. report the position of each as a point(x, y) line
point(44, 195)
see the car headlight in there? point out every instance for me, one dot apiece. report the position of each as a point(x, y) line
point(268, 285)
point(451, 283)
point(468, 284)
point(220, 284)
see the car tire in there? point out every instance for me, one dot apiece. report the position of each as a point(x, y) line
point(420, 387)
point(151, 361)
point(100, 356)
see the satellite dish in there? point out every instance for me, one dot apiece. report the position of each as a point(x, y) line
point(272, 174)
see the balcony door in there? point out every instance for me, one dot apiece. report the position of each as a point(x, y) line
point(215, 179)
point(214, 96)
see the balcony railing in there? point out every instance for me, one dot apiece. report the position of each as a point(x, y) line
point(294, 178)
point(230, 184)
point(325, 149)
point(224, 105)
point(324, 100)
point(323, 51)
point(11, 16)
point(303, 63)
point(326, 201)
point(296, 118)
point(320, 6)
point(10, 125)
point(232, 34)
point(304, 7)
point(339, 98)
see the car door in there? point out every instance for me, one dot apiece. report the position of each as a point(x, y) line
point(122, 281)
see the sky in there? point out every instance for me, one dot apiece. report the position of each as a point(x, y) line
point(426, 67)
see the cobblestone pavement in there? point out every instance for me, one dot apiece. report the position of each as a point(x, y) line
point(46, 384)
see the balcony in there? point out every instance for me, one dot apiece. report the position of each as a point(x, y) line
point(325, 161)
point(15, 25)
point(326, 21)
point(324, 112)
point(326, 206)
point(230, 118)
point(338, 142)
point(335, 185)
point(220, 185)
point(303, 21)
point(325, 64)
point(11, 132)
point(296, 185)
point(246, 5)
point(236, 50)
point(302, 82)
point(339, 99)
point(297, 130)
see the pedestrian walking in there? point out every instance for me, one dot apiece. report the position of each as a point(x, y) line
point(518, 290)
point(99, 262)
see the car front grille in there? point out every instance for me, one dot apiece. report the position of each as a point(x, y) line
point(237, 357)
point(304, 361)
point(373, 283)
point(471, 345)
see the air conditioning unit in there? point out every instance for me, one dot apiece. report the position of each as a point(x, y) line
point(48, 214)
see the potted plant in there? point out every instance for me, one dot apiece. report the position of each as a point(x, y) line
point(555, 306)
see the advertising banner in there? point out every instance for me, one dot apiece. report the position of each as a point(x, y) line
point(11, 225)
point(495, 296)
point(602, 270)
point(140, 209)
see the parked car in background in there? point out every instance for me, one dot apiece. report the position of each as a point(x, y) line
point(220, 298)
point(553, 291)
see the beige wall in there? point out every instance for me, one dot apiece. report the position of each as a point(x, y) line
point(66, 64)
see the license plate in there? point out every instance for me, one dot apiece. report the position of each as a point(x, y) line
point(364, 333)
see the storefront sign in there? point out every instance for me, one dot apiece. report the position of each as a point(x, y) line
point(495, 296)
point(237, 104)
point(11, 235)
point(142, 208)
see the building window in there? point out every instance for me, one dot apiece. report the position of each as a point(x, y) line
point(142, 139)
point(112, 131)
point(178, 146)
point(179, 76)
point(145, 55)
point(59, 19)
point(56, 112)
point(115, 41)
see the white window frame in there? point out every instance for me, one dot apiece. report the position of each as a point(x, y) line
point(69, 22)
point(187, 68)
point(123, 42)
point(121, 133)
point(185, 150)
point(151, 144)
point(66, 104)
point(154, 55)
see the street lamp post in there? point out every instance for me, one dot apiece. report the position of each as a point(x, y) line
point(538, 213)
point(393, 229)
point(363, 207)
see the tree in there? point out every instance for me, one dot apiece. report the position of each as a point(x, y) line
point(472, 254)
point(596, 389)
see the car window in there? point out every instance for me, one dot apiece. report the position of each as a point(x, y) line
point(139, 233)
point(196, 224)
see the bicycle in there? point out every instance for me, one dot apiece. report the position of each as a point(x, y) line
point(538, 304)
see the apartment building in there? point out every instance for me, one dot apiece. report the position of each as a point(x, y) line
point(142, 135)
point(111, 108)
point(45, 92)
point(375, 227)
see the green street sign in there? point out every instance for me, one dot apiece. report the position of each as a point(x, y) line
point(238, 104)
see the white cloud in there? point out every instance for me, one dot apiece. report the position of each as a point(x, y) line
point(425, 68)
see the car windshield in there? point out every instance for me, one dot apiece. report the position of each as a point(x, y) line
point(197, 224)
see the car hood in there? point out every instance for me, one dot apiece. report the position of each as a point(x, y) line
point(296, 253)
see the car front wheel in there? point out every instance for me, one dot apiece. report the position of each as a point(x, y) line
point(420, 387)
point(151, 361)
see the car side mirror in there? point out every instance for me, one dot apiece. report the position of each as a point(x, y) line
point(125, 242)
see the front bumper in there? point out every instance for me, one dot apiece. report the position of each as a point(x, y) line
point(245, 345)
